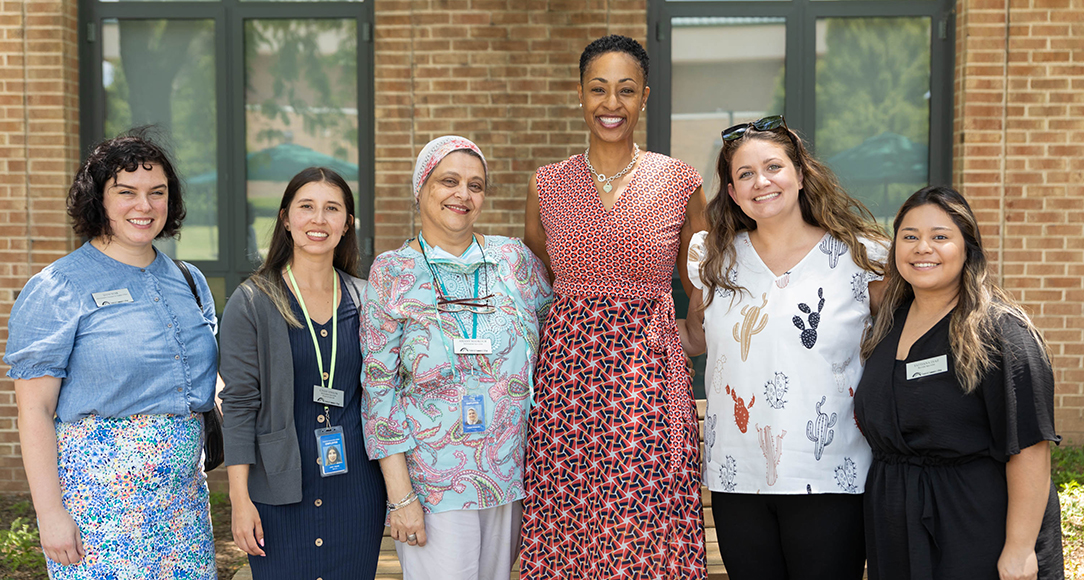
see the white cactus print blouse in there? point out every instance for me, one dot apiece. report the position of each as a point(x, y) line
point(783, 363)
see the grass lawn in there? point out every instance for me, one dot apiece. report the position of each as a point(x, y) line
point(21, 559)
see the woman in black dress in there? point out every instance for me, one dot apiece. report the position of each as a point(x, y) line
point(957, 402)
point(307, 502)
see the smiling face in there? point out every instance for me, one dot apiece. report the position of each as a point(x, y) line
point(930, 250)
point(612, 93)
point(317, 218)
point(451, 198)
point(137, 204)
point(764, 181)
point(472, 416)
point(332, 455)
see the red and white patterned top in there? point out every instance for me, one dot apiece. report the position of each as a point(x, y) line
point(627, 251)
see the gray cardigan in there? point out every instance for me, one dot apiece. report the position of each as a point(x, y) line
point(258, 397)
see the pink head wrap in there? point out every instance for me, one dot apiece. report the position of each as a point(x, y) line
point(435, 151)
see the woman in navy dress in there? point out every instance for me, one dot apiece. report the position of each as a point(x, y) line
point(957, 403)
point(291, 361)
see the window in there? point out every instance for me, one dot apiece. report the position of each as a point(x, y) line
point(246, 94)
point(867, 83)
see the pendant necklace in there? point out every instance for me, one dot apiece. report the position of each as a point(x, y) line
point(607, 186)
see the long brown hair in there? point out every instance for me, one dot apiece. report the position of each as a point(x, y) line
point(979, 304)
point(268, 277)
point(822, 200)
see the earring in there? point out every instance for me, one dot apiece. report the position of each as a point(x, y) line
point(643, 108)
point(581, 105)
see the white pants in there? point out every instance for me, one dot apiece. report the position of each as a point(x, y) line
point(465, 545)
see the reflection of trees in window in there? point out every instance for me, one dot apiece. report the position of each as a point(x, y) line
point(177, 93)
point(162, 72)
point(303, 71)
point(875, 77)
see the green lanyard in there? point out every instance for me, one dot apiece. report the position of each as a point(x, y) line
point(312, 331)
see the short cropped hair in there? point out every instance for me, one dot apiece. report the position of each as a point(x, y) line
point(614, 43)
point(124, 153)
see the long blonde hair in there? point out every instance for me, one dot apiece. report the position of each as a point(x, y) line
point(980, 303)
point(822, 200)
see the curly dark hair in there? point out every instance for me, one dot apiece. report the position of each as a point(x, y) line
point(614, 43)
point(126, 152)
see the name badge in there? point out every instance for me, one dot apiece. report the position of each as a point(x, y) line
point(326, 396)
point(472, 346)
point(112, 297)
point(927, 367)
point(331, 449)
point(474, 414)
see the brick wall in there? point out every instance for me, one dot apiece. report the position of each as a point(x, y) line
point(502, 73)
point(1019, 157)
point(39, 151)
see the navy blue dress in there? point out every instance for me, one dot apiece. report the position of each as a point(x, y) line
point(334, 533)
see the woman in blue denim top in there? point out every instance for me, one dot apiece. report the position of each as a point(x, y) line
point(113, 361)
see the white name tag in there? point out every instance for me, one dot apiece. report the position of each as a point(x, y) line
point(112, 297)
point(925, 368)
point(472, 346)
point(326, 396)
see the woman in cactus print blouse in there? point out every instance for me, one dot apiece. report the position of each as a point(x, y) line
point(449, 334)
point(789, 272)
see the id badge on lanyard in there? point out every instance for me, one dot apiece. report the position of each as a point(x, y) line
point(331, 447)
point(330, 443)
point(472, 405)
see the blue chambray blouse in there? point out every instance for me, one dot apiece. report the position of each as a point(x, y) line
point(154, 355)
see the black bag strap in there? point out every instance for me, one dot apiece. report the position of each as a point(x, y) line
point(191, 281)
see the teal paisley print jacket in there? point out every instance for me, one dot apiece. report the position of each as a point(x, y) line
point(416, 403)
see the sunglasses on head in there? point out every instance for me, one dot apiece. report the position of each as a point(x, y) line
point(766, 124)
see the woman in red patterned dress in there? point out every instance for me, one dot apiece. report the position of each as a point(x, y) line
point(613, 469)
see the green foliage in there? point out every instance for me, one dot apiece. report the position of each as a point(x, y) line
point(1067, 465)
point(20, 546)
point(307, 81)
point(220, 499)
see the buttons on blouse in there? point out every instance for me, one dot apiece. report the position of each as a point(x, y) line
point(319, 502)
point(319, 418)
point(179, 389)
point(319, 542)
point(323, 332)
point(169, 326)
point(176, 357)
point(156, 299)
point(325, 375)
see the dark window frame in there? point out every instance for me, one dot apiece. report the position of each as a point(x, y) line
point(801, 57)
point(229, 17)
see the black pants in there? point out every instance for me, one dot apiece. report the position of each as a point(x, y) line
point(790, 537)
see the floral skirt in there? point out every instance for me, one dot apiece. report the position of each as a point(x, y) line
point(135, 487)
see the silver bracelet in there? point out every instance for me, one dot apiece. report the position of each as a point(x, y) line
point(409, 499)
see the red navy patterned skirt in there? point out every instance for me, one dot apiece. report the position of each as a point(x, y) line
point(602, 498)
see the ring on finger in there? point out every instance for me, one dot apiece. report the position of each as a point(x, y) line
point(412, 538)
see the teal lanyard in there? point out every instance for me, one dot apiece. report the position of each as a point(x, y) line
point(312, 331)
point(444, 291)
